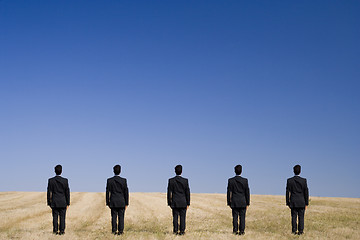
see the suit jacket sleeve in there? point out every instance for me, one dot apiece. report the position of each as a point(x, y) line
point(247, 193)
point(187, 192)
point(126, 194)
point(67, 193)
point(49, 194)
point(306, 194)
point(287, 193)
point(169, 194)
point(107, 193)
point(228, 194)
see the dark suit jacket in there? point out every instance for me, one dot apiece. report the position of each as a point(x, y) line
point(238, 192)
point(178, 192)
point(58, 192)
point(297, 192)
point(117, 192)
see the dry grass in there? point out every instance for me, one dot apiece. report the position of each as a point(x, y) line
point(26, 216)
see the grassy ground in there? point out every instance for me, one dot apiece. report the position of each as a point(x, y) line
point(26, 216)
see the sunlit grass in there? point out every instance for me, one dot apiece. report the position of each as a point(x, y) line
point(26, 216)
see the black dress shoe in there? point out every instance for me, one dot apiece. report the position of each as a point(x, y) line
point(61, 233)
point(295, 233)
point(56, 233)
point(113, 233)
point(182, 233)
point(300, 233)
point(120, 233)
point(176, 233)
point(235, 233)
point(241, 233)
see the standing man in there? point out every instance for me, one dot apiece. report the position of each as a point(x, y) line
point(297, 199)
point(58, 198)
point(117, 198)
point(238, 199)
point(178, 198)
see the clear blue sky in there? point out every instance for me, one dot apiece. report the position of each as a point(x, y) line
point(206, 84)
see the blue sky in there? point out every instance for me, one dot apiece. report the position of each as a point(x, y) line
point(206, 84)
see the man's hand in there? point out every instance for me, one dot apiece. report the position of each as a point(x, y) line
point(187, 207)
point(305, 207)
point(125, 207)
point(247, 207)
point(67, 207)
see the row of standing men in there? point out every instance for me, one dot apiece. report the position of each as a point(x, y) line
point(178, 199)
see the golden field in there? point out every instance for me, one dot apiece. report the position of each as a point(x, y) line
point(24, 215)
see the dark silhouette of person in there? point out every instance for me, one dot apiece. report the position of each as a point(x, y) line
point(297, 199)
point(117, 198)
point(238, 199)
point(58, 198)
point(178, 198)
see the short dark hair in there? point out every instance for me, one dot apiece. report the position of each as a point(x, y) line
point(117, 169)
point(238, 169)
point(58, 169)
point(178, 169)
point(297, 169)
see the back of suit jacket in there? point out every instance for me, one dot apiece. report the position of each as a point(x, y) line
point(117, 192)
point(178, 192)
point(238, 192)
point(297, 192)
point(58, 192)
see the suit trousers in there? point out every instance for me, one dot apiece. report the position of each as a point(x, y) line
point(176, 213)
point(117, 219)
point(297, 214)
point(58, 213)
point(239, 213)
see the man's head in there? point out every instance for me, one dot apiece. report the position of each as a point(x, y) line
point(117, 169)
point(58, 169)
point(238, 169)
point(297, 169)
point(178, 170)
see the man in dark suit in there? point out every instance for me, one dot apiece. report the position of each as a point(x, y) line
point(238, 199)
point(178, 198)
point(58, 198)
point(297, 199)
point(117, 198)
